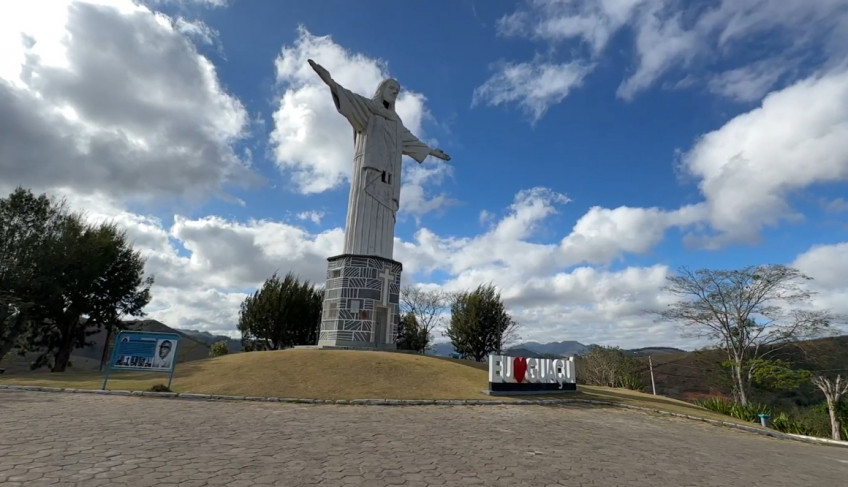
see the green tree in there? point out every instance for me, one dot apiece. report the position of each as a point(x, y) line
point(745, 312)
point(776, 375)
point(96, 278)
point(27, 226)
point(411, 336)
point(282, 313)
point(218, 348)
point(479, 323)
point(84, 277)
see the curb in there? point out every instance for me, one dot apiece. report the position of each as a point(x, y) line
point(432, 402)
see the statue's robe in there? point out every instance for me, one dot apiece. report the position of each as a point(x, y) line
point(379, 140)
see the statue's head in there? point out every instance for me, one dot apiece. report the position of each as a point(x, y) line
point(387, 93)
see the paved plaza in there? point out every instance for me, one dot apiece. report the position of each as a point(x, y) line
point(90, 440)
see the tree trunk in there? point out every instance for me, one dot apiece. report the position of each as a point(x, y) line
point(741, 392)
point(61, 359)
point(835, 426)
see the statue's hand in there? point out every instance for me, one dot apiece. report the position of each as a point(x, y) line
point(322, 73)
point(441, 155)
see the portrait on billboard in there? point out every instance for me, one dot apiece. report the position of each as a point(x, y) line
point(164, 354)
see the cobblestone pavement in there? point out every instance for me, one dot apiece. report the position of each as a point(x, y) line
point(90, 440)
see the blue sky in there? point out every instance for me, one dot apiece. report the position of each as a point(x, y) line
point(597, 146)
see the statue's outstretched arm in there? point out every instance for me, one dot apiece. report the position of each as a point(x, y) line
point(322, 73)
point(440, 154)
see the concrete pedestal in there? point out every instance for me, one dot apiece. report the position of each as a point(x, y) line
point(361, 303)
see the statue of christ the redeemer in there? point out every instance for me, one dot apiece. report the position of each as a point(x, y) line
point(363, 284)
point(379, 141)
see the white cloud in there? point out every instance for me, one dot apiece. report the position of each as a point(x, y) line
point(313, 142)
point(234, 255)
point(554, 21)
point(748, 83)
point(671, 36)
point(112, 98)
point(486, 217)
point(314, 216)
point(223, 261)
point(837, 205)
point(504, 244)
point(534, 86)
point(748, 168)
point(416, 199)
point(188, 3)
point(828, 266)
point(661, 42)
point(603, 234)
point(594, 306)
point(196, 29)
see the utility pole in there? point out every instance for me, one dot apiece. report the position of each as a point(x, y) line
point(653, 384)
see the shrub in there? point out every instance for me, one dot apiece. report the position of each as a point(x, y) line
point(159, 388)
point(787, 424)
point(750, 413)
point(218, 348)
point(718, 404)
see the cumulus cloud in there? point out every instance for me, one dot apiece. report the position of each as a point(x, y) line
point(235, 255)
point(313, 143)
point(748, 168)
point(828, 266)
point(204, 267)
point(113, 98)
point(603, 234)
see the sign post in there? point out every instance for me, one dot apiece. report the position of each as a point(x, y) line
point(144, 352)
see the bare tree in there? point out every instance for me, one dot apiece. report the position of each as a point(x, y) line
point(428, 307)
point(610, 367)
point(745, 313)
point(834, 390)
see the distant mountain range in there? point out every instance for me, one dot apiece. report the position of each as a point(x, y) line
point(553, 349)
point(233, 344)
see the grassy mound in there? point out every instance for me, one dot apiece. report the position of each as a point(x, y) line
point(318, 374)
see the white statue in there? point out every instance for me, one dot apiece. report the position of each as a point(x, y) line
point(379, 140)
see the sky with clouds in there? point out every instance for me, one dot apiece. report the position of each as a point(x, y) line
point(596, 146)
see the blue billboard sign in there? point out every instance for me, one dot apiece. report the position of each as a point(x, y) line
point(144, 351)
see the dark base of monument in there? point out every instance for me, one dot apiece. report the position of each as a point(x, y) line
point(508, 389)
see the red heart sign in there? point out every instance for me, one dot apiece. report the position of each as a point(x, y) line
point(519, 367)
